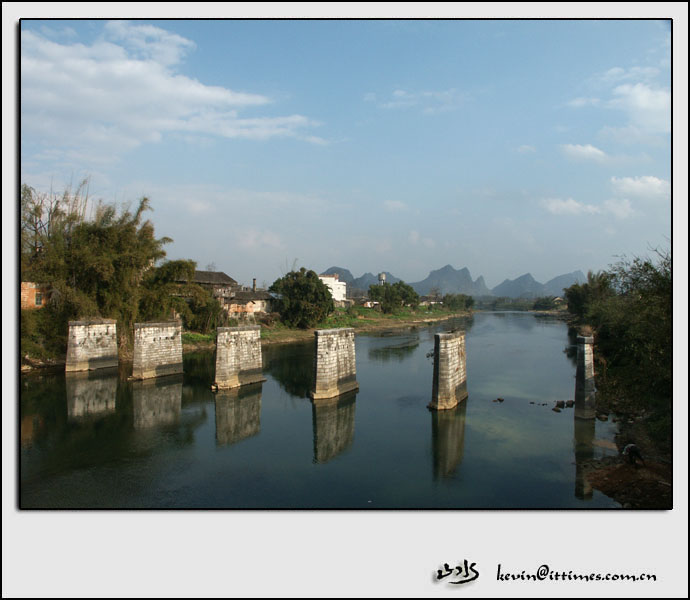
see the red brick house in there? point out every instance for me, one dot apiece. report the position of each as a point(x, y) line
point(34, 295)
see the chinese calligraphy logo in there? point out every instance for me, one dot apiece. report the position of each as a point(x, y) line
point(463, 573)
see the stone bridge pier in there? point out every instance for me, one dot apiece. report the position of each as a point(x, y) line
point(157, 349)
point(334, 363)
point(585, 392)
point(238, 357)
point(450, 378)
point(91, 345)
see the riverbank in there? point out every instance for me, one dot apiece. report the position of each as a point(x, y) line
point(277, 333)
point(642, 486)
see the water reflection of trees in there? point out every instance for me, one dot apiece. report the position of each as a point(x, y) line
point(56, 441)
point(200, 367)
point(448, 439)
point(334, 426)
point(292, 366)
point(570, 350)
point(398, 351)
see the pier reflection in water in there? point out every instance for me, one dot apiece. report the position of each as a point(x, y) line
point(448, 439)
point(91, 393)
point(334, 426)
point(94, 442)
point(238, 414)
point(584, 452)
point(157, 402)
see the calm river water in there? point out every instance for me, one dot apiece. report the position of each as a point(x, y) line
point(98, 441)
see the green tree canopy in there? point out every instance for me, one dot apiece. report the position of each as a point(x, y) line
point(304, 299)
point(392, 298)
point(458, 301)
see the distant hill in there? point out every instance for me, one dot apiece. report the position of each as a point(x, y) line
point(368, 279)
point(555, 286)
point(524, 286)
point(451, 281)
point(343, 274)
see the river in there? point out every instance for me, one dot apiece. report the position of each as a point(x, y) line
point(98, 441)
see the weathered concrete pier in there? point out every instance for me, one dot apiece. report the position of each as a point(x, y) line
point(238, 357)
point(334, 363)
point(585, 391)
point(157, 402)
point(450, 377)
point(238, 414)
point(91, 344)
point(157, 349)
point(334, 426)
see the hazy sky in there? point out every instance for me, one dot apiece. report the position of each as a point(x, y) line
point(502, 146)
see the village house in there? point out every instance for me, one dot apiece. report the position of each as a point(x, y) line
point(337, 288)
point(221, 286)
point(247, 303)
point(34, 295)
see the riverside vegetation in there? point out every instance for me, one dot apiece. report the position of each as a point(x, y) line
point(628, 310)
point(111, 265)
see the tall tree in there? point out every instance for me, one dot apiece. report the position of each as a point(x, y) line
point(304, 299)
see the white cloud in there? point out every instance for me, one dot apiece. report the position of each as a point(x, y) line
point(645, 187)
point(580, 102)
point(526, 149)
point(557, 206)
point(619, 208)
point(395, 206)
point(251, 239)
point(647, 108)
point(618, 74)
point(122, 91)
point(586, 152)
point(429, 102)
point(415, 239)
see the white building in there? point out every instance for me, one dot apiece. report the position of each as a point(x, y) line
point(338, 288)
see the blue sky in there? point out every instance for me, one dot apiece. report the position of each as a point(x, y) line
point(502, 146)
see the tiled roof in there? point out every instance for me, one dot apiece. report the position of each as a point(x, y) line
point(248, 296)
point(213, 277)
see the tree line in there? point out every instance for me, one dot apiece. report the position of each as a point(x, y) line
point(108, 264)
point(629, 307)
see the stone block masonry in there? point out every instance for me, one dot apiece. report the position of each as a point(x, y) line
point(334, 363)
point(450, 378)
point(91, 345)
point(238, 357)
point(157, 349)
point(585, 397)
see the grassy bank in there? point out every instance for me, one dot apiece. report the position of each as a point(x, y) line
point(359, 318)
